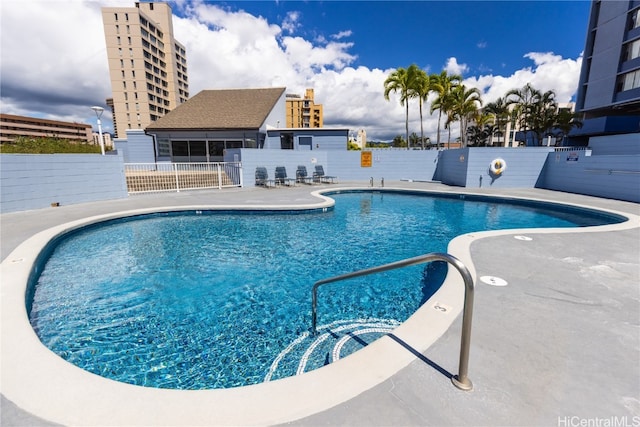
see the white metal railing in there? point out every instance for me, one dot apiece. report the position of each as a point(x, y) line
point(154, 177)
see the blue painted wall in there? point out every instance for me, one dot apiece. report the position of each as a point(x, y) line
point(34, 181)
point(290, 159)
point(416, 165)
point(137, 148)
point(470, 167)
point(615, 144)
point(319, 138)
point(610, 176)
point(346, 165)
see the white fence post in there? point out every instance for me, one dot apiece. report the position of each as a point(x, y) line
point(154, 177)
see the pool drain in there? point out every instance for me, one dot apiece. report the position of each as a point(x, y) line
point(493, 281)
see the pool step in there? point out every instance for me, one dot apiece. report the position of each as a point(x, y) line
point(332, 342)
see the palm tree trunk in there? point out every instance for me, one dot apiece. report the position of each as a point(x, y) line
point(406, 124)
point(438, 137)
point(421, 127)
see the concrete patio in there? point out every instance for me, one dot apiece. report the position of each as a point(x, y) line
point(558, 345)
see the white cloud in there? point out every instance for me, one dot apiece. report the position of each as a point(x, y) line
point(550, 72)
point(225, 49)
point(452, 67)
point(342, 34)
point(290, 23)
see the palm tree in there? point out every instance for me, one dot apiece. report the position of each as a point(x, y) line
point(566, 120)
point(403, 80)
point(442, 84)
point(500, 112)
point(544, 114)
point(422, 89)
point(465, 106)
point(533, 109)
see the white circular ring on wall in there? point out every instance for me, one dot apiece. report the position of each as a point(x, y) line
point(493, 281)
point(525, 238)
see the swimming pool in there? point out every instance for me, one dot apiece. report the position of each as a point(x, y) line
point(203, 278)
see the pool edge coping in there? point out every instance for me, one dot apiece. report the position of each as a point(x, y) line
point(90, 399)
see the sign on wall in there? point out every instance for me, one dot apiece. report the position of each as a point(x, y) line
point(366, 159)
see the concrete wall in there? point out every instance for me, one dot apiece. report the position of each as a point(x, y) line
point(346, 165)
point(469, 167)
point(615, 144)
point(290, 159)
point(313, 139)
point(416, 165)
point(137, 148)
point(610, 176)
point(34, 181)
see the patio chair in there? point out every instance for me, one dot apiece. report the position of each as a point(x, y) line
point(281, 177)
point(302, 176)
point(262, 178)
point(319, 176)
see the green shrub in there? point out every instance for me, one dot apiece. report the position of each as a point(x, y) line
point(23, 145)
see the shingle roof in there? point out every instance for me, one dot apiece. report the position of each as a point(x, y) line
point(222, 109)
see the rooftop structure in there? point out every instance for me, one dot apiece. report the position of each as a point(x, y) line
point(214, 120)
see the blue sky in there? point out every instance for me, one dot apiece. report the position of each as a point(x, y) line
point(489, 36)
point(342, 49)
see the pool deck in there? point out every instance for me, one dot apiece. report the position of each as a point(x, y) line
point(558, 345)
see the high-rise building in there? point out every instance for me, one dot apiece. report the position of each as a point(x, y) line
point(147, 65)
point(303, 112)
point(609, 88)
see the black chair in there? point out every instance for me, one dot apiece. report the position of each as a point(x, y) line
point(262, 178)
point(319, 176)
point(281, 177)
point(302, 176)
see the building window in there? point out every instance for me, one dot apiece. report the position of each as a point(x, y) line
point(129, 40)
point(126, 16)
point(118, 40)
point(629, 81)
point(117, 29)
point(634, 22)
point(128, 30)
point(631, 50)
point(115, 15)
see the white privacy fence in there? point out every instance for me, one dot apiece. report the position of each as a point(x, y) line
point(153, 177)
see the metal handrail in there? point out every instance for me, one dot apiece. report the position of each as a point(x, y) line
point(461, 380)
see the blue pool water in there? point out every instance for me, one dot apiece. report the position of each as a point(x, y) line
point(200, 300)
